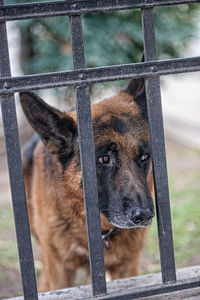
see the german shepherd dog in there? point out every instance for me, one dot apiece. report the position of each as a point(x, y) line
point(53, 182)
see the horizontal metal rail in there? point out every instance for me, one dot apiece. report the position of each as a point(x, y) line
point(92, 75)
point(74, 7)
point(152, 290)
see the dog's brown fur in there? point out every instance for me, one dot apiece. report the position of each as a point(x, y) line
point(55, 198)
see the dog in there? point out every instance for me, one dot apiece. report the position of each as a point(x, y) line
point(53, 183)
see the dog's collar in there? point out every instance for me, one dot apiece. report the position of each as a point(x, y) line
point(107, 234)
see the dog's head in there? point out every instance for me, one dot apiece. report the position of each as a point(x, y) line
point(123, 156)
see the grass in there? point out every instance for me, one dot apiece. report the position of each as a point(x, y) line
point(10, 284)
point(8, 247)
point(184, 189)
point(186, 219)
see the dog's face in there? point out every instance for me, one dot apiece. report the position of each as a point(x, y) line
point(123, 161)
point(123, 157)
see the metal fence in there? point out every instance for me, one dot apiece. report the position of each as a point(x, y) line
point(80, 78)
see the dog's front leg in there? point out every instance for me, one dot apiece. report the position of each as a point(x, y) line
point(55, 274)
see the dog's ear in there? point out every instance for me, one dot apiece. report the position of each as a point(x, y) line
point(55, 128)
point(136, 88)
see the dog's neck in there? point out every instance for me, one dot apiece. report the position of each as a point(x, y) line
point(107, 235)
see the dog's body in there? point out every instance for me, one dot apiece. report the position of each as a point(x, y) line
point(53, 183)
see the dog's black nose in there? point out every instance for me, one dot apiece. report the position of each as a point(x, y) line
point(141, 215)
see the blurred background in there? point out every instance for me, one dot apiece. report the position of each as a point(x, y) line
point(44, 45)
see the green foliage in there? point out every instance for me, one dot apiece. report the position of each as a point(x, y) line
point(110, 38)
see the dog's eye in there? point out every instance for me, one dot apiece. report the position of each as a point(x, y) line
point(104, 159)
point(144, 156)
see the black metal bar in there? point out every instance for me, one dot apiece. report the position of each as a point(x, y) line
point(77, 42)
point(92, 75)
point(74, 7)
point(152, 290)
point(87, 153)
point(158, 155)
point(16, 177)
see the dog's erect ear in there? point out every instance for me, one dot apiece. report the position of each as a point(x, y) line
point(136, 88)
point(55, 128)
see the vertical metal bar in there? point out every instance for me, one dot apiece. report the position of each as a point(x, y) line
point(158, 154)
point(88, 165)
point(16, 176)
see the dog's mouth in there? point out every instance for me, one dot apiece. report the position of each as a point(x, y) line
point(127, 225)
point(125, 222)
